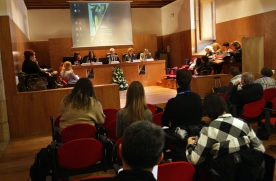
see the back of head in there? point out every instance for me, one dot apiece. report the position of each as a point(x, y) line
point(28, 53)
point(214, 105)
point(215, 46)
point(226, 44)
point(234, 71)
point(183, 77)
point(67, 66)
point(236, 44)
point(210, 48)
point(248, 78)
point(266, 71)
point(205, 59)
point(83, 86)
point(142, 145)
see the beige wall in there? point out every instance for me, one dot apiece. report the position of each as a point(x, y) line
point(176, 17)
point(235, 9)
point(55, 23)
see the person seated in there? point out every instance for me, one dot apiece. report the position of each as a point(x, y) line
point(141, 150)
point(30, 66)
point(91, 57)
point(217, 58)
point(135, 109)
point(235, 58)
point(77, 59)
point(181, 111)
point(81, 106)
point(250, 91)
point(226, 137)
point(67, 73)
point(266, 80)
point(236, 76)
point(130, 55)
point(145, 55)
point(204, 66)
point(209, 53)
point(113, 56)
point(226, 49)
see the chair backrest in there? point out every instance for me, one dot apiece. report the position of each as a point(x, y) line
point(110, 115)
point(77, 131)
point(138, 55)
point(222, 95)
point(269, 94)
point(156, 119)
point(124, 56)
point(57, 120)
point(253, 109)
point(117, 144)
point(111, 131)
point(176, 171)
point(80, 153)
point(152, 108)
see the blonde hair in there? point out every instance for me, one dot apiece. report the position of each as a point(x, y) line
point(209, 48)
point(135, 103)
point(129, 49)
point(66, 66)
point(216, 46)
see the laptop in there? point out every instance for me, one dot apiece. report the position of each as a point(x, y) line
point(104, 60)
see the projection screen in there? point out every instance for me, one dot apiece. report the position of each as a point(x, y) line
point(101, 23)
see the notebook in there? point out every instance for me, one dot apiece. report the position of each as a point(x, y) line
point(104, 60)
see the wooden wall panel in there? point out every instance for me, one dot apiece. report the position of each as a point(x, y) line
point(160, 47)
point(175, 49)
point(62, 47)
point(166, 42)
point(252, 26)
point(41, 49)
point(32, 110)
point(186, 45)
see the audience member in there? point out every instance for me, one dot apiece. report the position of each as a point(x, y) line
point(227, 141)
point(130, 55)
point(204, 66)
point(250, 91)
point(81, 106)
point(30, 66)
point(141, 150)
point(91, 57)
point(236, 76)
point(113, 56)
point(217, 56)
point(77, 59)
point(145, 55)
point(135, 109)
point(209, 52)
point(182, 111)
point(233, 58)
point(67, 73)
point(266, 80)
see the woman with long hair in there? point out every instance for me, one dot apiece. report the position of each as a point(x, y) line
point(135, 109)
point(81, 106)
point(67, 73)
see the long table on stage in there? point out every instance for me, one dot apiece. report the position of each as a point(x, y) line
point(203, 84)
point(102, 74)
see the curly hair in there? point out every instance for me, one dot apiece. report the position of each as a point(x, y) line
point(81, 94)
point(66, 66)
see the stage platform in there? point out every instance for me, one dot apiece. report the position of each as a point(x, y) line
point(156, 95)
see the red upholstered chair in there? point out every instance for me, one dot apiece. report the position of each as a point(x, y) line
point(269, 94)
point(57, 120)
point(253, 109)
point(110, 115)
point(77, 156)
point(111, 131)
point(222, 95)
point(176, 171)
point(156, 119)
point(152, 108)
point(116, 155)
point(171, 73)
point(55, 128)
point(91, 178)
point(76, 131)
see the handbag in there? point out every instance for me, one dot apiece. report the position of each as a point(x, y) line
point(36, 82)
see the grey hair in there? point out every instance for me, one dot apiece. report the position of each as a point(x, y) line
point(248, 78)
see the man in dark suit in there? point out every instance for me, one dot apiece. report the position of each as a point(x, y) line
point(113, 56)
point(250, 91)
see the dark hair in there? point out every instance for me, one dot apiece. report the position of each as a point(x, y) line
point(89, 54)
point(266, 71)
point(205, 59)
point(183, 77)
point(142, 144)
point(234, 71)
point(236, 44)
point(76, 55)
point(214, 105)
point(28, 53)
point(226, 44)
point(80, 94)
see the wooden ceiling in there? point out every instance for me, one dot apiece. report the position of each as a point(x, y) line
point(64, 4)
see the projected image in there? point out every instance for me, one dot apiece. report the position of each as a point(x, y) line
point(101, 23)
